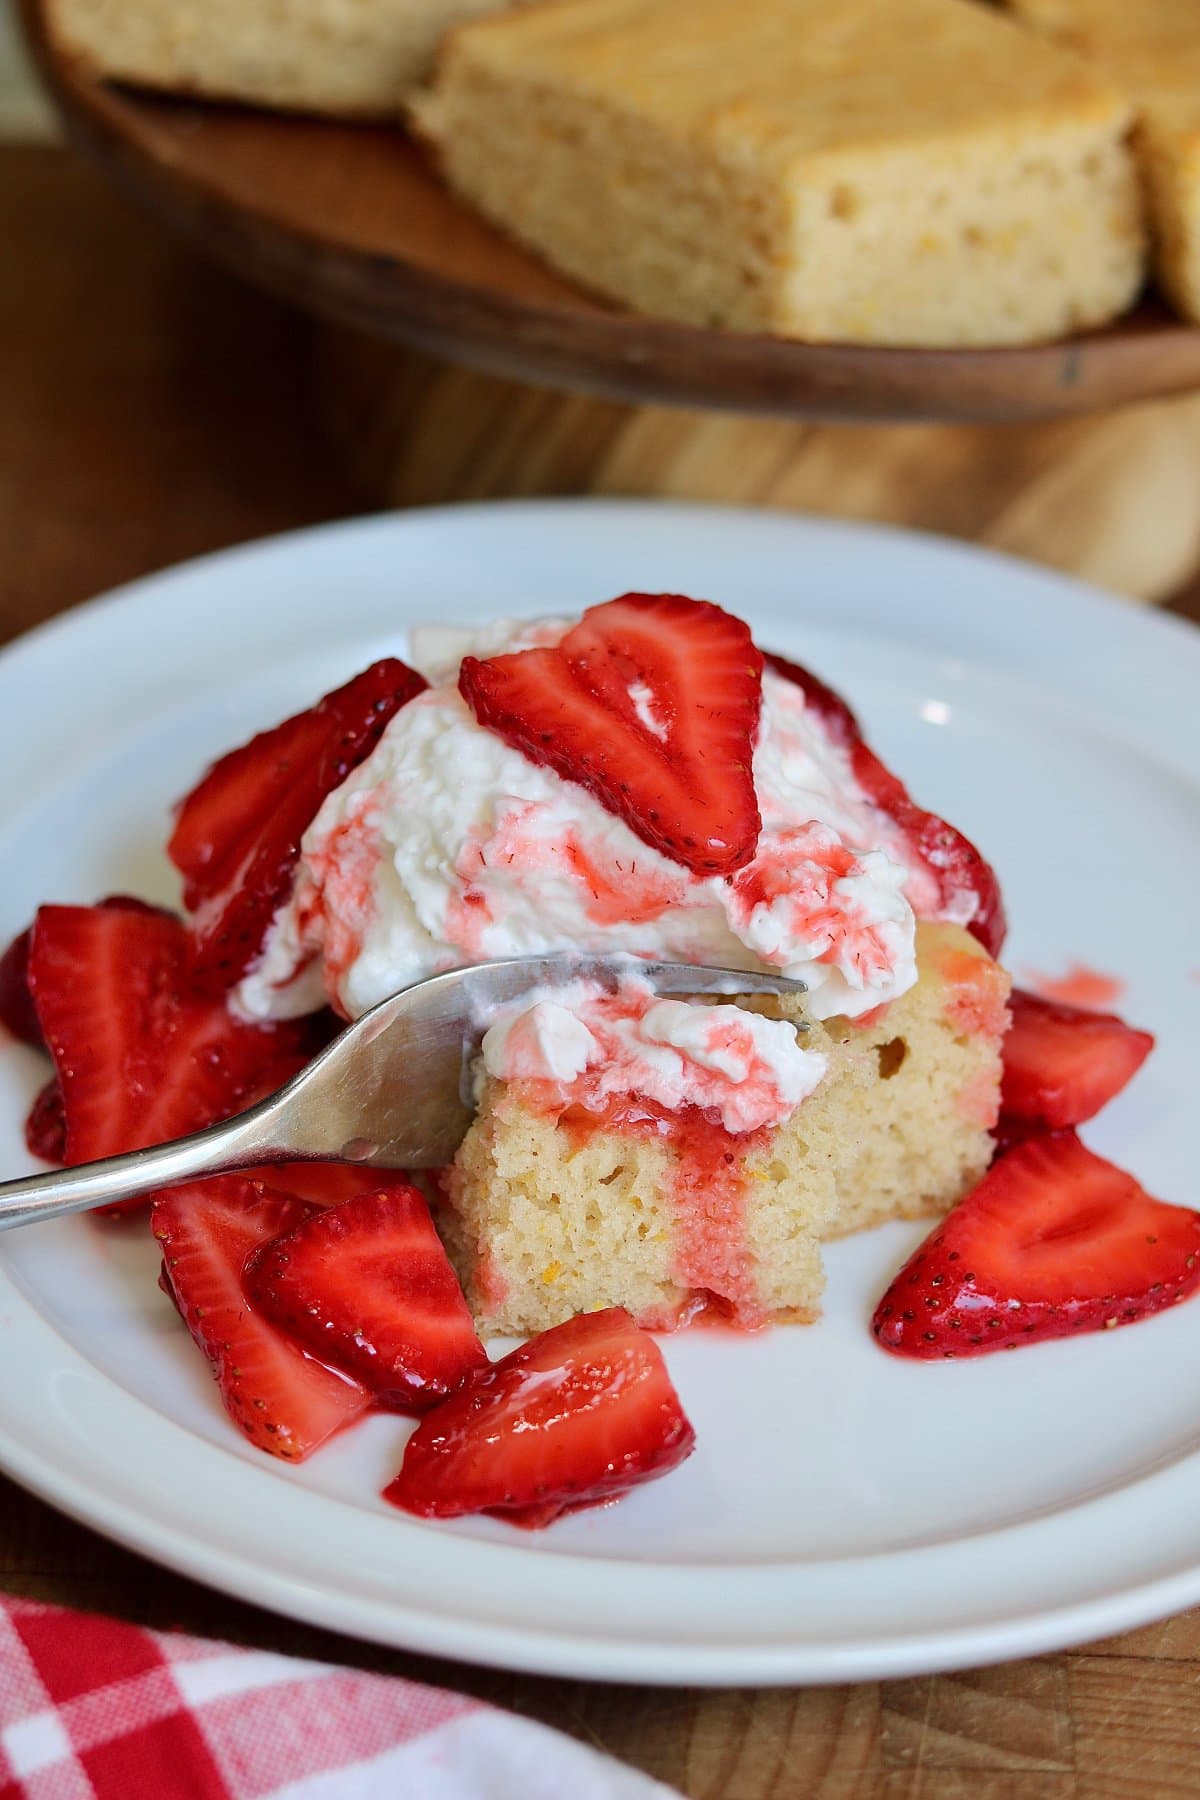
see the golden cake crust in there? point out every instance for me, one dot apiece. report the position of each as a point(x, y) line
point(819, 168)
point(544, 1218)
point(1152, 47)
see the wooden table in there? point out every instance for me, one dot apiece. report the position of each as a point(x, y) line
point(149, 410)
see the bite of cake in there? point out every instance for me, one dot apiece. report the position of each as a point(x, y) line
point(645, 781)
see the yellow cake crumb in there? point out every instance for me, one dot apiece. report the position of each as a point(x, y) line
point(919, 173)
point(898, 1128)
point(1152, 47)
point(348, 57)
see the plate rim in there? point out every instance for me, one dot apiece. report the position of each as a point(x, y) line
point(533, 1648)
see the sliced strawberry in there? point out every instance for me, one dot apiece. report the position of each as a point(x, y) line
point(957, 866)
point(237, 834)
point(284, 1401)
point(651, 702)
point(1054, 1240)
point(16, 1002)
point(321, 1184)
point(575, 1416)
point(368, 1288)
point(1063, 1063)
point(46, 1126)
point(17, 1010)
point(141, 1057)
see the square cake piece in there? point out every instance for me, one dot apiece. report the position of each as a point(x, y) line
point(550, 1212)
point(348, 57)
point(859, 170)
point(1152, 47)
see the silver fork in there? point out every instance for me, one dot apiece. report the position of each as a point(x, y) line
point(389, 1091)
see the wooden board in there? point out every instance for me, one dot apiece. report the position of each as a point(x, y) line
point(350, 220)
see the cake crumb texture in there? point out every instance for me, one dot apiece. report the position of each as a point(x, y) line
point(924, 173)
point(1152, 47)
point(347, 57)
point(545, 1216)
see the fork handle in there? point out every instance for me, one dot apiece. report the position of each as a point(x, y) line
point(236, 1144)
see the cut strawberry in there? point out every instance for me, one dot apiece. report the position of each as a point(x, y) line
point(956, 865)
point(1054, 1240)
point(368, 1288)
point(1063, 1063)
point(321, 1184)
point(237, 834)
point(46, 1126)
point(141, 1057)
point(16, 1002)
point(574, 1417)
point(284, 1401)
point(651, 702)
point(17, 1010)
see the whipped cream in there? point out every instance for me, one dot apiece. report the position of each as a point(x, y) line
point(446, 846)
point(585, 1047)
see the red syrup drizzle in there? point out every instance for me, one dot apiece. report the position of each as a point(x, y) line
point(709, 1186)
point(1080, 986)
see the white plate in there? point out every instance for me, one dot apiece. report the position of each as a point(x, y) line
point(846, 1514)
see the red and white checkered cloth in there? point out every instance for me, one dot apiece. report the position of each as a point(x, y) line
point(94, 1710)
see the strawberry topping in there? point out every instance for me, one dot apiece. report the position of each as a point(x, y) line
point(574, 1417)
point(651, 702)
point(367, 1287)
point(1054, 1240)
point(284, 1401)
point(17, 1010)
point(951, 858)
point(1063, 1063)
point(141, 1057)
point(237, 834)
point(46, 1126)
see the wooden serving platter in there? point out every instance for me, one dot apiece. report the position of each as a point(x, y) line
point(352, 222)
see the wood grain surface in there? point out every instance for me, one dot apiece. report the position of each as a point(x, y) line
point(350, 221)
point(151, 409)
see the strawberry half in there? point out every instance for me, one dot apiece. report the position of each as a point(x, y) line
point(46, 1126)
point(1054, 1240)
point(17, 1010)
point(1063, 1063)
point(139, 1055)
point(576, 1416)
point(952, 859)
point(284, 1401)
point(321, 1184)
point(368, 1288)
point(651, 702)
point(237, 834)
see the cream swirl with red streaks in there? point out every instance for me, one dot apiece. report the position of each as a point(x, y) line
point(446, 846)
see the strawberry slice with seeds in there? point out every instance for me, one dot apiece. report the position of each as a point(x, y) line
point(321, 1184)
point(237, 834)
point(140, 1056)
point(957, 866)
point(1063, 1063)
point(651, 702)
point(46, 1126)
point(368, 1288)
point(1054, 1240)
point(574, 1417)
point(284, 1401)
point(17, 1010)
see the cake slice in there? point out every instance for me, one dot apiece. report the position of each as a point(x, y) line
point(923, 174)
point(1153, 49)
point(552, 1209)
point(351, 57)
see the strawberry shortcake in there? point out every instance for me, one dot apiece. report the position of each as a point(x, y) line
point(644, 780)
